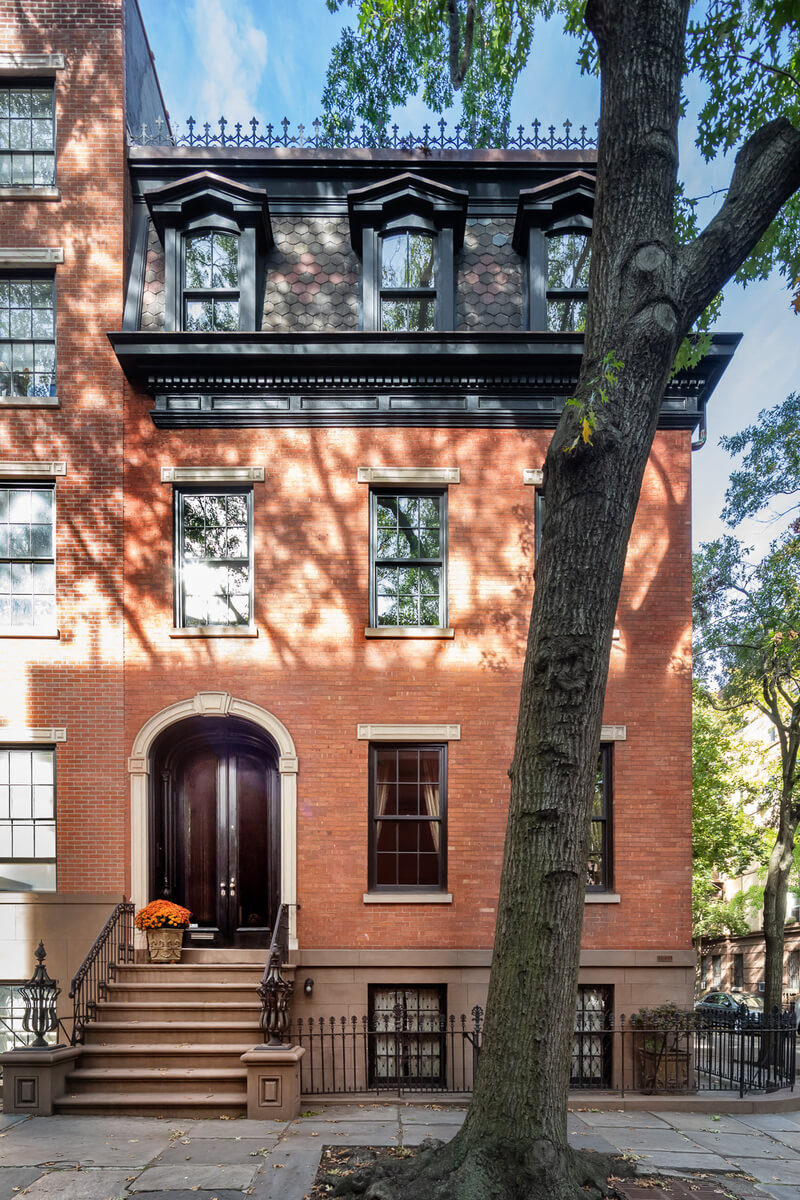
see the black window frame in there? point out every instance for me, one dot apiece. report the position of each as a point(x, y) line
point(374, 817)
point(554, 295)
point(407, 293)
point(194, 293)
point(210, 489)
point(18, 84)
point(36, 860)
point(38, 485)
point(439, 493)
point(605, 766)
point(407, 1038)
point(33, 275)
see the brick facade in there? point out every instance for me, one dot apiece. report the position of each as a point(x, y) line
point(117, 663)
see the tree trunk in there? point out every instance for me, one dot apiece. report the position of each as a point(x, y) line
point(644, 291)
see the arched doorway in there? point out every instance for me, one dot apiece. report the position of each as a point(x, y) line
point(225, 708)
point(215, 828)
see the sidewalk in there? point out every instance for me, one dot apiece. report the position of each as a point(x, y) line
point(105, 1158)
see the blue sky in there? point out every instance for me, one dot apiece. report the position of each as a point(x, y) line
point(242, 58)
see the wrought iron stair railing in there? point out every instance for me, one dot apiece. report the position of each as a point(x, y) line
point(274, 990)
point(112, 946)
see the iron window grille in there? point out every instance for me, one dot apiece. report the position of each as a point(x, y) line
point(408, 818)
point(27, 818)
point(27, 336)
point(599, 873)
point(214, 557)
point(592, 1040)
point(408, 554)
point(408, 281)
point(27, 135)
point(568, 256)
point(211, 281)
point(407, 1036)
point(27, 556)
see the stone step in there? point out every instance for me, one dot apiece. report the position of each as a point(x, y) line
point(153, 1104)
point(192, 972)
point(192, 1010)
point(173, 1033)
point(177, 991)
point(180, 1082)
point(192, 954)
point(153, 1054)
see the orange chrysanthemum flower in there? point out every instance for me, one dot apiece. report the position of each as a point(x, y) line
point(162, 914)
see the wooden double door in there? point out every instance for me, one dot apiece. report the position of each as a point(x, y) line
point(217, 834)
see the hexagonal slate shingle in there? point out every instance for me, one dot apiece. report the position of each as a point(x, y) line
point(312, 276)
point(153, 295)
point(489, 286)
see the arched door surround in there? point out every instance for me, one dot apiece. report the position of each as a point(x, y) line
point(246, 728)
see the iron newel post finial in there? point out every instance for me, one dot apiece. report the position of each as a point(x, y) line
point(39, 996)
point(275, 991)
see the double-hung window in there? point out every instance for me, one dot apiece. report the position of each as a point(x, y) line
point(568, 257)
point(408, 832)
point(211, 281)
point(214, 557)
point(409, 557)
point(27, 818)
point(598, 878)
point(27, 557)
point(408, 281)
point(27, 135)
point(27, 336)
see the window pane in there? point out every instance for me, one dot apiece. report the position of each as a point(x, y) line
point(567, 315)
point(421, 315)
point(226, 315)
point(420, 261)
point(395, 316)
point(568, 257)
point(225, 261)
point(199, 315)
point(215, 550)
point(394, 251)
point(197, 261)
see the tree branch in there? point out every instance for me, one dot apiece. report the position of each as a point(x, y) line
point(766, 174)
point(460, 63)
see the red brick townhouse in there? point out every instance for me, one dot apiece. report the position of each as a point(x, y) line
point(273, 424)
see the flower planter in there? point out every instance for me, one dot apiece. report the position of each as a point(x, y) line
point(164, 945)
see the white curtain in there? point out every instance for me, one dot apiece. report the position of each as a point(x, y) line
point(430, 794)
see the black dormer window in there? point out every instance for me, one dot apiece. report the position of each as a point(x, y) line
point(408, 281)
point(211, 281)
point(568, 257)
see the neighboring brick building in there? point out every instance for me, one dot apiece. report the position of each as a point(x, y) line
point(295, 524)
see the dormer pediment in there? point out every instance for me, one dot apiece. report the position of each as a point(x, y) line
point(407, 195)
point(564, 202)
point(208, 194)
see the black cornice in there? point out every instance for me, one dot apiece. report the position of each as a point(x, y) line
point(486, 379)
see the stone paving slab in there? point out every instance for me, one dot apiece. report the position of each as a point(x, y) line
point(625, 1120)
point(413, 1135)
point(675, 1189)
point(790, 1140)
point(772, 1171)
point(215, 1127)
point(780, 1192)
point(634, 1140)
point(741, 1145)
point(9, 1119)
point(788, 1121)
point(188, 1176)
point(13, 1179)
point(288, 1174)
point(357, 1133)
point(59, 1140)
point(708, 1123)
point(683, 1162)
point(217, 1150)
point(98, 1183)
point(590, 1139)
point(348, 1112)
point(199, 1194)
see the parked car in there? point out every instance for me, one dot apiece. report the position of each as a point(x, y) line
point(732, 1006)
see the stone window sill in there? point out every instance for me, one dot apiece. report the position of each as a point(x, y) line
point(29, 631)
point(215, 631)
point(602, 898)
point(30, 193)
point(408, 631)
point(408, 898)
point(29, 402)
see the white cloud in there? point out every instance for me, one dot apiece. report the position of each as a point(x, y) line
point(232, 53)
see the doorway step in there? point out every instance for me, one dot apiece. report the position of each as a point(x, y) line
point(168, 1039)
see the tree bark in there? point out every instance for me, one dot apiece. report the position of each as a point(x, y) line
point(513, 1144)
point(781, 859)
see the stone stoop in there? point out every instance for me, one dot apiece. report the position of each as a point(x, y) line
point(169, 1037)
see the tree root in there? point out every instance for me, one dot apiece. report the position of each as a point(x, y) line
point(466, 1170)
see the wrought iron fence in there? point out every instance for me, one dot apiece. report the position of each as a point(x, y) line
point(387, 1053)
point(323, 135)
point(113, 945)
